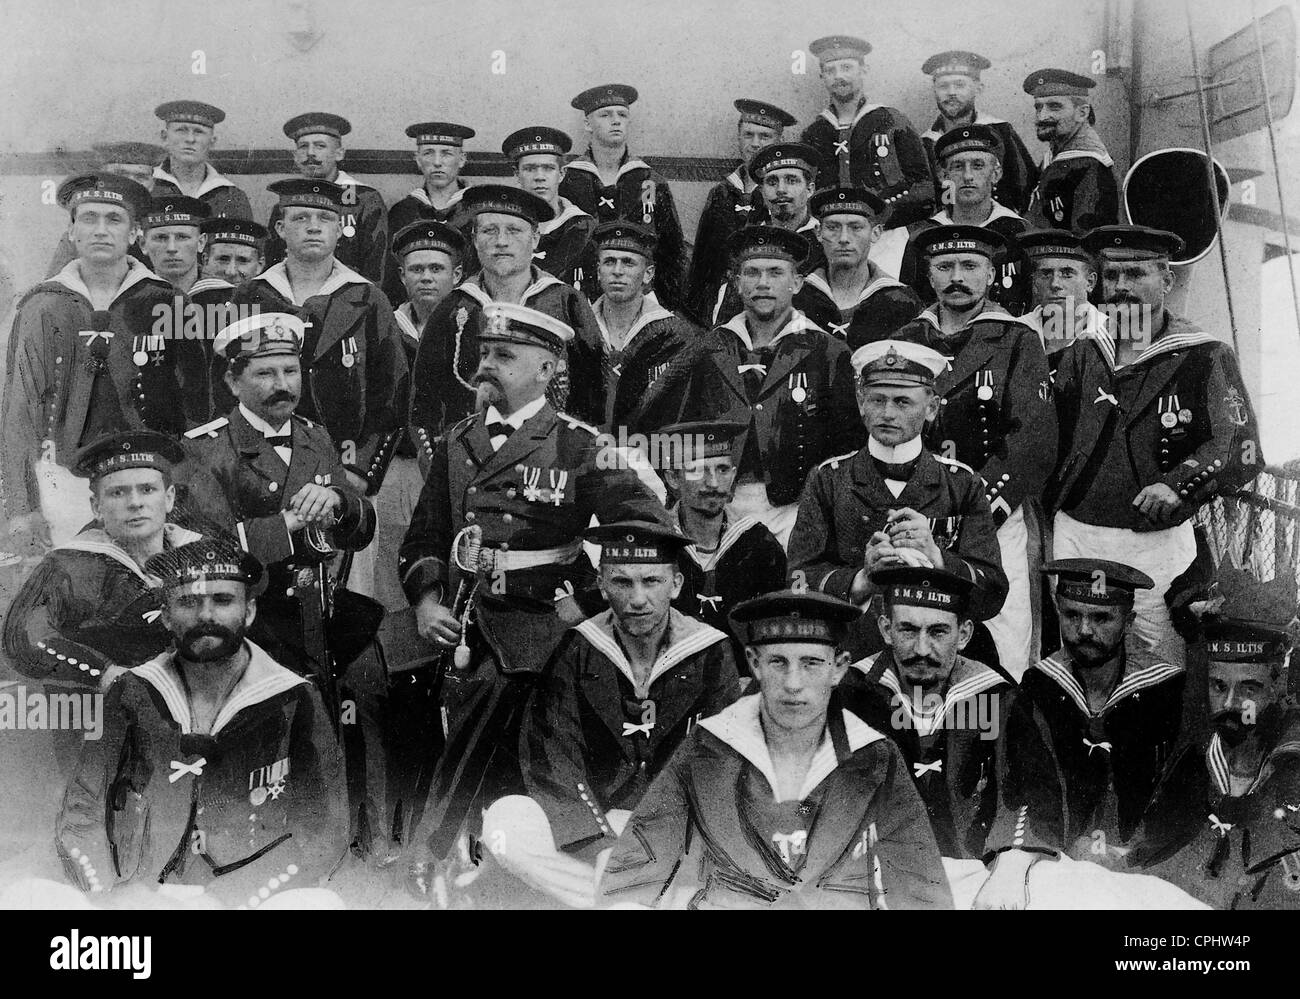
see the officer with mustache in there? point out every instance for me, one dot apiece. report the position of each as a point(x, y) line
point(1224, 824)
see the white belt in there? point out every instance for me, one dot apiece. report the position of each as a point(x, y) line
point(512, 560)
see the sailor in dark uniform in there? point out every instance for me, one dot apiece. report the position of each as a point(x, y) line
point(86, 358)
point(732, 203)
point(88, 611)
point(849, 295)
point(894, 502)
point(730, 559)
point(235, 251)
point(996, 412)
point(218, 776)
point(943, 710)
point(538, 155)
point(318, 151)
point(1223, 822)
point(870, 145)
point(440, 156)
point(967, 167)
point(1110, 718)
point(188, 135)
point(639, 337)
point(1077, 186)
point(506, 232)
point(784, 800)
point(1062, 276)
point(172, 233)
point(957, 86)
point(622, 692)
point(786, 379)
point(1156, 422)
point(608, 183)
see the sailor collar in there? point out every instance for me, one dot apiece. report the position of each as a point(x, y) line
point(968, 679)
point(799, 323)
point(568, 210)
point(70, 278)
point(277, 276)
point(651, 310)
point(212, 180)
point(999, 211)
point(263, 679)
point(1057, 668)
point(96, 541)
point(740, 727)
point(687, 636)
point(731, 533)
point(866, 109)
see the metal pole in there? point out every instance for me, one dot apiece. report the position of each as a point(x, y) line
point(1277, 173)
point(1214, 179)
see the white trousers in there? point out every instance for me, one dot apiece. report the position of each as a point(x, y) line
point(1162, 555)
point(751, 501)
point(1013, 627)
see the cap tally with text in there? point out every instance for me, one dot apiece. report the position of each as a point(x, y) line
point(1235, 641)
point(847, 201)
point(536, 140)
point(603, 96)
point(303, 192)
point(1096, 580)
point(174, 210)
point(505, 321)
point(1057, 83)
point(898, 363)
point(918, 587)
point(784, 156)
point(129, 449)
point(955, 61)
point(316, 123)
point(502, 200)
point(231, 229)
point(439, 133)
point(619, 235)
point(941, 239)
point(700, 439)
point(1133, 242)
point(767, 242)
point(1037, 244)
point(428, 234)
point(260, 336)
point(790, 616)
point(134, 153)
point(762, 113)
point(967, 139)
point(637, 542)
point(104, 188)
point(195, 112)
point(833, 47)
point(206, 559)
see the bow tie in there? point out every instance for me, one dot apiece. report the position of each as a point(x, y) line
point(1096, 745)
point(921, 769)
point(280, 440)
point(499, 430)
point(899, 473)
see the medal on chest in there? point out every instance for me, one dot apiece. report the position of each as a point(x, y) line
point(349, 351)
point(268, 782)
point(798, 385)
point(984, 384)
point(882, 145)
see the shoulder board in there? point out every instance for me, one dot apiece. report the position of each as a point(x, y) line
point(576, 424)
point(834, 463)
point(208, 429)
point(954, 464)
